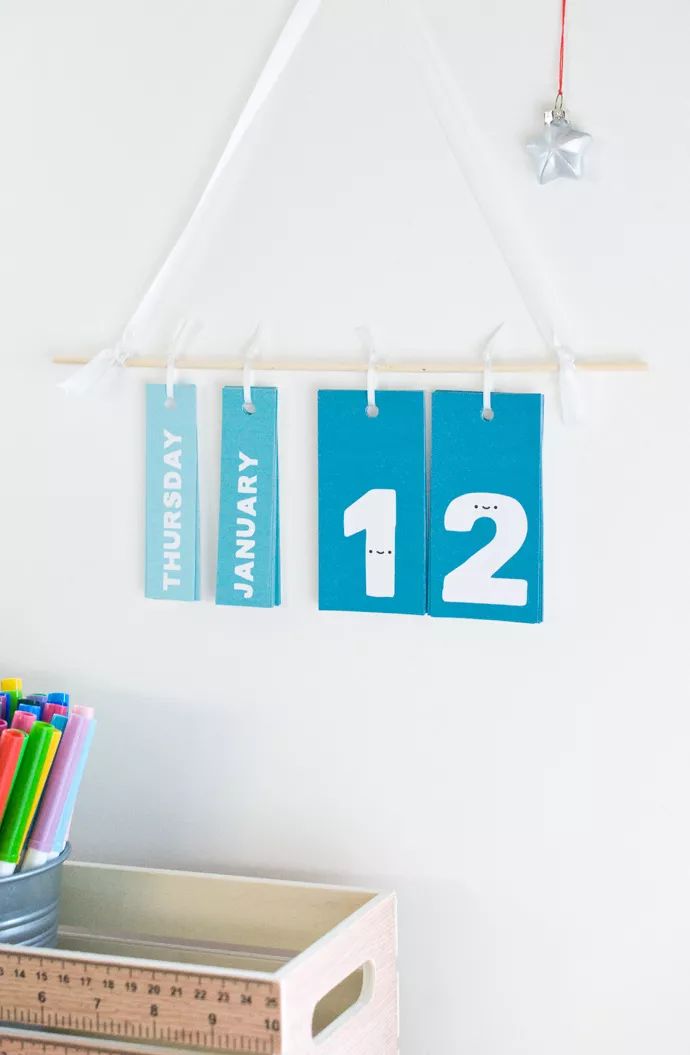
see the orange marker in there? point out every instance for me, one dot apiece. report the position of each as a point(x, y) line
point(12, 743)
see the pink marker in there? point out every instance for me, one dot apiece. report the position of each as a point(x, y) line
point(85, 712)
point(3, 726)
point(23, 720)
point(60, 782)
point(49, 709)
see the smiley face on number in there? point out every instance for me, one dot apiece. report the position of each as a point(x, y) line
point(375, 514)
point(476, 581)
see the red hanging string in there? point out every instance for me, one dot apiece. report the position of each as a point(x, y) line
point(561, 57)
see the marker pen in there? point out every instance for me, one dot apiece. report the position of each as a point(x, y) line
point(53, 708)
point(63, 827)
point(23, 720)
point(47, 766)
point(41, 698)
point(60, 783)
point(26, 790)
point(87, 712)
point(12, 743)
point(30, 707)
point(59, 697)
point(13, 688)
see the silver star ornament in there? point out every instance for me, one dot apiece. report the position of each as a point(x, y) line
point(558, 152)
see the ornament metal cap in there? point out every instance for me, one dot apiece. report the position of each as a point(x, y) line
point(558, 111)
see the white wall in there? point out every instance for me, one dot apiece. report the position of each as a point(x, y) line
point(524, 788)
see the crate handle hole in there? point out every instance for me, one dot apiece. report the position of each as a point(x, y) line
point(342, 1002)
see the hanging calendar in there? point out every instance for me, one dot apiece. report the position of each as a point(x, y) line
point(486, 540)
point(485, 549)
point(372, 503)
point(248, 572)
point(172, 495)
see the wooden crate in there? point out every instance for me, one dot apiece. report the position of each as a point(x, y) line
point(323, 958)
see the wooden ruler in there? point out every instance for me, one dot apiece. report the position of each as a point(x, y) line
point(22, 1042)
point(141, 1004)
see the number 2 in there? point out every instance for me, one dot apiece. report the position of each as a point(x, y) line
point(375, 514)
point(473, 581)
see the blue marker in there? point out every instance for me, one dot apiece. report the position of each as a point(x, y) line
point(40, 698)
point(59, 721)
point(31, 708)
point(62, 698)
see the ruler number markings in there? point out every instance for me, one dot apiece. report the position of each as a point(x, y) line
point(117, 1000)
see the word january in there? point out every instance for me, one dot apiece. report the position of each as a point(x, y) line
point(245, 526)
point(172, 516)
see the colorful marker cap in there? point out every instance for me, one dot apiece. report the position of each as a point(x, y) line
point(53, 708)
point(13, 688)
point(85, 712)
point(59, 697)
point(31, 707)
point(23, 720)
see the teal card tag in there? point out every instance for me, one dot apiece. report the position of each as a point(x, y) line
point(172, 495)
point(248, 530)
point(372, 503)
point(486, 544)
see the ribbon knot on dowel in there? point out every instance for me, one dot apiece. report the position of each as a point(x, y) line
point(92, 373)
point(569, 393)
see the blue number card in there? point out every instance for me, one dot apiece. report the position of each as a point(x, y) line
point(372, 503)
point(248, 531)
point(486, 539)
point(172, 495)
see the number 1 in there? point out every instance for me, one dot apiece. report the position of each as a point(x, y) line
point(375, 514)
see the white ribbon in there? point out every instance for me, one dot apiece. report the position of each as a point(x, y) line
point(474, 160)
point(250, 352)
point(294, 29)
point(487, 377)
point(180, 340)
point(487, 412)
point(92, 374)
point(569, 392)
point(372, 409)
point(247, 378)
point(170, 377)
point(367, 339)
point(481, 172)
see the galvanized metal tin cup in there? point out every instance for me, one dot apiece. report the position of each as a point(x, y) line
point(29, 904)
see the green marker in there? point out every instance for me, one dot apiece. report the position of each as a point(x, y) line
point(14, 689)
point(25, 796)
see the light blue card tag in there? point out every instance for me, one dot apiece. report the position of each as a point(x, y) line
point(172, 495)
point(248, 531)
point(372, 503)
point(486, 542)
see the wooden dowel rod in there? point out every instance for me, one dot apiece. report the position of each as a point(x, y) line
point(319, 366)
